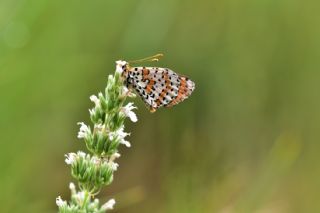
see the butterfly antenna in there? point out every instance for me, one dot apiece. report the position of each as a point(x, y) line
point(150, 58)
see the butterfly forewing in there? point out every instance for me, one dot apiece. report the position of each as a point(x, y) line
point(159, 86)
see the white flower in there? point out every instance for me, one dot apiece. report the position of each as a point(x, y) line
point(70, 158)
point(95, 160)
point(108, 205)
point(80, 196)
point(120, 65)
point(94, 205)
point(81, 154)
point(95, 99)
point(126, 143)
point(110, 79)
point(84, 131)
point(114, 166)
point(114, 156)
point(99, 126)
point(127, 92)
point(91, 112)
point(60, 202)
point(96, 201)
point(127, 111)
point(72, 187)
point(120, 135)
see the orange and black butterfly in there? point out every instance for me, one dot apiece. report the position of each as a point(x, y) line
point(156, 86)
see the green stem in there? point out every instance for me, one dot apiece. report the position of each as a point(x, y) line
point(86, 195)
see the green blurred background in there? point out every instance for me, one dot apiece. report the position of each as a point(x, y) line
point(247, 140)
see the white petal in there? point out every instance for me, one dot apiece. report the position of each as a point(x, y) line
point(120, 133)
point(130, 106)
point(84, 130)
point(80, 196)
point(72, 186)
point(108, 205)
point(119, 65)
point(81, 135)
point(91, 112)
point(70, 158)
point(127, 111)
point(132, 116)
point(95, 160)
point(81, 154)
point(96, 201)
point(111, 136)
point(126, 143)
point(113, 165)
point(125, 90)
point(99, 126)
point(114, 156)
point(60, 202)
point(95, 99)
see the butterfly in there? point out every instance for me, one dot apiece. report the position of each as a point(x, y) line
point(156, 86)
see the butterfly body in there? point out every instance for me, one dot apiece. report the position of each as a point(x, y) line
point(155, 85)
